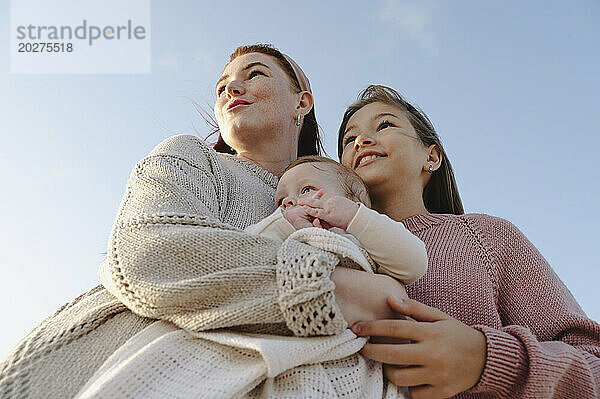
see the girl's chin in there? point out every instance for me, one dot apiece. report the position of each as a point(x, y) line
point(375, 183)
point(371, 174)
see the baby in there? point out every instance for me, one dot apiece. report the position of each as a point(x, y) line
point(315, 191)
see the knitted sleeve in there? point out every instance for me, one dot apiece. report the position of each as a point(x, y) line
point(547, 347)
point(171, 257)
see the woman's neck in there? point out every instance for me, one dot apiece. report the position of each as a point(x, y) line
point(272, 160)
point(272, 147)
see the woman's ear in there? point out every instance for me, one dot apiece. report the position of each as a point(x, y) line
point(305, 103)
point(434, 158)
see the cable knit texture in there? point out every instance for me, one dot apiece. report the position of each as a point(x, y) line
point(177, 252)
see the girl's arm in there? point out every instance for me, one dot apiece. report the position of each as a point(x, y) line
point(552, 347)
point(547, 347)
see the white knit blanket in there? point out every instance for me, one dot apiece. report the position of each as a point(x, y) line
point(165, 361)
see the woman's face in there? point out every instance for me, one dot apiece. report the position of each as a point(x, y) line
point(381, 146)
point(254, 99)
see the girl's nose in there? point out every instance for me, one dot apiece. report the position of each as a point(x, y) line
point(363, 141)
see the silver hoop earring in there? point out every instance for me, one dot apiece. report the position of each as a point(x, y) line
point(430, 168)
point(298, 119)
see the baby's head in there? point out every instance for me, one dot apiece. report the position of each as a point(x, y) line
point(310, 173)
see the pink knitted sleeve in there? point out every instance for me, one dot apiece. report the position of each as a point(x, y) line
point(547, 347)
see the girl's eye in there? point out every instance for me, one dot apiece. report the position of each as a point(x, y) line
point(348, 140)
point(220, 90)
point(306, 190)
point(254, 73)
point(384, 125)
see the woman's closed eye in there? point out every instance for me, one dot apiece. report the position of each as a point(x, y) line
point(252, 75)
point(255, 73)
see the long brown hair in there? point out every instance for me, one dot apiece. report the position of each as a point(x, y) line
point(309, 141)
point(440, 195)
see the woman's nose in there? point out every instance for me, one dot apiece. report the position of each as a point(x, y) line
point(288, 201)
point(363, 141)
point(234, 88)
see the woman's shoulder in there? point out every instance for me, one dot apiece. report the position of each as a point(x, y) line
point(187, 147)
point(197, 153)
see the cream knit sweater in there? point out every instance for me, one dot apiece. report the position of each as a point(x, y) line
point(177, 252)
point(164, 360)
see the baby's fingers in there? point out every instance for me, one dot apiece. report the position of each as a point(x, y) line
point(314, 212)
point(312, 202)
point(318, 194)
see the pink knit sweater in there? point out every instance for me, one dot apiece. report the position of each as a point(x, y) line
point(484, 272)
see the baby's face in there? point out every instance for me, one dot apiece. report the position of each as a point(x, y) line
point(306, 179)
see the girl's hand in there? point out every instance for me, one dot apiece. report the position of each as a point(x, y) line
point(445, 357)
point(335, 211)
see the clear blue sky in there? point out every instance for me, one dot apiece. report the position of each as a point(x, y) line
point(512, 88)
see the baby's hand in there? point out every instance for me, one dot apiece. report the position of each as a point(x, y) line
point(298, 217)
point(335, 211)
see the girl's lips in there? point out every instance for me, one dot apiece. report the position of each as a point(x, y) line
point(367, 162)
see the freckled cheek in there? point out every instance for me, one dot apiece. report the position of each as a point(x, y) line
point(219, 107)
point(263, 92)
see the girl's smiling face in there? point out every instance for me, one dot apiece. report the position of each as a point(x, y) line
point(381, 146)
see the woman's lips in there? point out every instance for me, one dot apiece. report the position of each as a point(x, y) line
point(237, 104)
